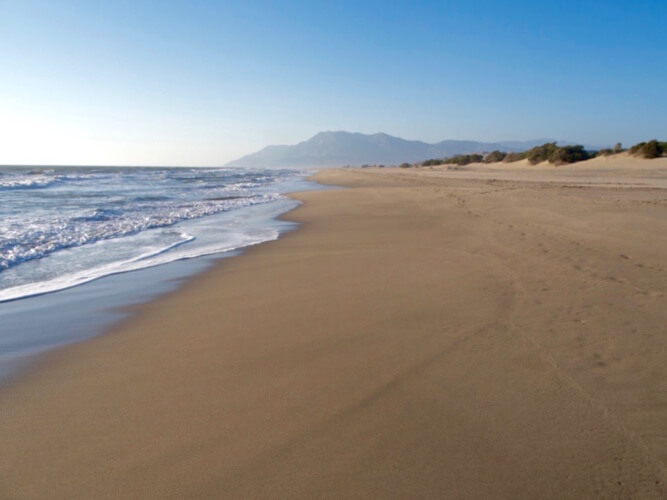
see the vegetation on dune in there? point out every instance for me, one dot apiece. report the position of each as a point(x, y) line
point(551, 152)
point(541, 153)
point(557, 155)
point(495, 156)
point(570, 154)
point(650, 149)
point(512, 157)
point(463, 159)
point(430, 163)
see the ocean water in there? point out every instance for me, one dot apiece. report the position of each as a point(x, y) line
point(64, 226)
point(69, 236)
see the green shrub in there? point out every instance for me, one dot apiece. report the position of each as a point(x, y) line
point(542, 153)
point(430, 163)
point(463, 159)
point(552, 153)
point(569, 154)
point(650, 149)
point(512, 157)
point(495, 156)
point(634, 150)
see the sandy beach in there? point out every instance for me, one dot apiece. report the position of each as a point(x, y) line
point(488, 332)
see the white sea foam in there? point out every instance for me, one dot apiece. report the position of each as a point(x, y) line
point(65, 227)
point(149, 259)
point(31, 236)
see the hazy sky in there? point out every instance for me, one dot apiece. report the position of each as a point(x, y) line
point(201, 83)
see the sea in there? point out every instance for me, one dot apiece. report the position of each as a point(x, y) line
point(78, 244)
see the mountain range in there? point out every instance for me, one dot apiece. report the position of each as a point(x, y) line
point(340, 148)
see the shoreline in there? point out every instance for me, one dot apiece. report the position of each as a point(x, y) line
point(417, 335)
point(91, 308)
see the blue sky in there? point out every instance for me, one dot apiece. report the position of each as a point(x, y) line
point(201, 83)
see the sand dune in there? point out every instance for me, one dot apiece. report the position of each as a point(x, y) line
point(618, 170)
point(483, 333)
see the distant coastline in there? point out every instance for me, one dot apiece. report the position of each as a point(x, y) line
point(340, 148)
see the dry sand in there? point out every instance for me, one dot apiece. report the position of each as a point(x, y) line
point(424, 334)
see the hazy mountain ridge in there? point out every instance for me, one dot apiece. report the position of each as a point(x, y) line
point(351, 148)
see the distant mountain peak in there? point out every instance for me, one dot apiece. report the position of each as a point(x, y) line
point(337, 148)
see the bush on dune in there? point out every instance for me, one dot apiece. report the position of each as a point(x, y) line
point(541, 153)
point(463, 159)
point(512, 157)
point(553, 153)
point(569, 154)
point(430, 163)
point(650, 149)
point(495, 156)
point(634, 150)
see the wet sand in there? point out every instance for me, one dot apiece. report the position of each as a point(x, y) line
point(423, 334)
